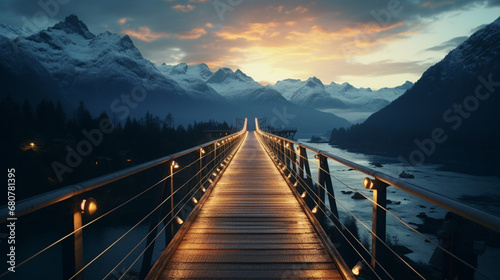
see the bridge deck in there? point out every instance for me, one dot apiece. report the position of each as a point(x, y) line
point(251, 226)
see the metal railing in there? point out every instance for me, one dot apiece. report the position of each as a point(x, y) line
point(318, 193)
point(157, 195)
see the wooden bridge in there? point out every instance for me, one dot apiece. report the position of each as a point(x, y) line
point(244, 206)
point(251, 226)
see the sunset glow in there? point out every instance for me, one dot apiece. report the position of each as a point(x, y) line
point(366, 43)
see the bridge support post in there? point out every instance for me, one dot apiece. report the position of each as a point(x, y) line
point(378, 225)
point(72, 246)
point(326, 186)
point(304, 170)
point(153, 221)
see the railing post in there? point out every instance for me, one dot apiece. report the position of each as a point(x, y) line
point(200, 173)
point(73, 246)
point(323, 180)
point(173, 165)
point(305, 170)
point(378, 223)
point(153, 222)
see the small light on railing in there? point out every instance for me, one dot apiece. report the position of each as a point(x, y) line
point(296, 184)
point(287, 145)
point(358, 268)
point(88, 206)
point(284, 167)
point(289, 176)
point(222, 165)
point(315, 209)
point(194, 200)
point(298, 150)
point(218, 144)
point(174, 164)
point(218, 169)
point(368, 183)
point(178, 220)
point(214, 174)
point(303, 194)
point(202, 151)
point(203, 189)
point(210, 181)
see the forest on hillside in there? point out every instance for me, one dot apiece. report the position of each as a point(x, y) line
point(44, 143)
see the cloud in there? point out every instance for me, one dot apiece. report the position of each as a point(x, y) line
point(124, 20)
point(449, 45)
point(299, 10)
point(293, 38)
point(192, 34)
point(183, 8)
point(145, 34)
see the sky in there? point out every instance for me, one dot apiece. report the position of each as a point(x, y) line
point(376, 43)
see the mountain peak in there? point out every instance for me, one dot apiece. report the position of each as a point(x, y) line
point(314, 82)
point(72, 24)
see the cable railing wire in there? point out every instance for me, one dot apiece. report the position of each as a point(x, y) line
point(299, 167)
point(217, 159)
point(394, 216)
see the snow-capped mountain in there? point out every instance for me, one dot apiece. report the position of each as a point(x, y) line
point(452, 107)
point(108, 73)
point(192, 79)
point(315, 94)
point(311, 93)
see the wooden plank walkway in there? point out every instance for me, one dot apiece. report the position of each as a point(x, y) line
point(251, 226)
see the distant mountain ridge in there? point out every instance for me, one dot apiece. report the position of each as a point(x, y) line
point(314, 93)
point(107, 72)
point(452, 109)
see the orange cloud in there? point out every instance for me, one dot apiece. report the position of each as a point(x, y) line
point(254, 32)
point(183, 8)
point(124, 20)
point(145, 34)
point(192, 34)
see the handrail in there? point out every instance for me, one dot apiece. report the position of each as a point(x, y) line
point(483, 218)
point(35, 203)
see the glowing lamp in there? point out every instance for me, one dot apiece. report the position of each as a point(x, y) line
point(210, 181)
point(296, 184)
point(303, 194)
point(358, 268)
point(373, 184)
point(202, 151)
point(368, 183)
point(194, 200)
point(32, 144)
point(315, 209)
point(178, 220)
point(174, 164)
point(289, 175)
point(203, 189)
point(88, 206)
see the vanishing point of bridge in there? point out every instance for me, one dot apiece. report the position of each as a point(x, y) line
point(246, 206)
